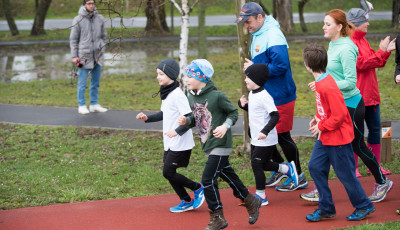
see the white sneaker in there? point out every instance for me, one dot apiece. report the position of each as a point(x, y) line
point(97, 108)
point(83, 109)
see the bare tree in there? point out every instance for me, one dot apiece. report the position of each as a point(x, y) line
point(395, 14)
point(40, 16)
point(283, 14)
point(243, 40)
point(155, 14)
point(301, 5)
point(184, 10)
point(7, 10)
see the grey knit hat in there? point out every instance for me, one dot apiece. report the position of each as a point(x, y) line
point(170, 67)
point(357, 16)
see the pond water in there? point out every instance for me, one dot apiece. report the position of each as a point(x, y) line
point(54, 62)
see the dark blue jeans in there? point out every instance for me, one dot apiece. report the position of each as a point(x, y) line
point(342, 159)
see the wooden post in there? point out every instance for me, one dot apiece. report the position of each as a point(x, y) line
point(386, 147)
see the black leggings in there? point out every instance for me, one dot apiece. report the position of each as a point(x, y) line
point(179, 182)
point(260, 162)
point(290, 150)
point(359, 146)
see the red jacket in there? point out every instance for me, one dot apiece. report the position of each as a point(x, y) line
point(336, 125)
point(367, 61)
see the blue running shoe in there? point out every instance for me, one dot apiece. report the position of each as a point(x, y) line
point(198, 197)
point(360, 214)
point(183, 206)
point(292, 173)
point(318, 214)
point(264, 201)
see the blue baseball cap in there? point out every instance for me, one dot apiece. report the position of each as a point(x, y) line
point(249, 9)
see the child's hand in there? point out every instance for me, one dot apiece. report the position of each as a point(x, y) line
point(315, 130)
point(243, 101)
point(398, 79)
point(261, 136)
point(220, 131)
point(181, 120)
point(311, 85)
point(313, 122)
point(141, 116)
point(171, 133)
point(247, 64)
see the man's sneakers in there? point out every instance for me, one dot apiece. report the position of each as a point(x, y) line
point(289, 184)
point(198, 197)
point(360, 214)
point(380, 191)
point(275, 178)
point(83, 109)
point(183, 206)
point(264, 201)
point(97, 109)
point(312, 196)
point(318, 214)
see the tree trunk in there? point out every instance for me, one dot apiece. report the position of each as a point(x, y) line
point(395, 14)
point(41, 11)
point(10, 19)
point(184, 44)
point(301, 5)
point(154, 12)
point(162, 16)
point(283, 14)
point(244, 41)
point(202, 30)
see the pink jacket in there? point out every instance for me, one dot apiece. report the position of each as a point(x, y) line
point(367, 61)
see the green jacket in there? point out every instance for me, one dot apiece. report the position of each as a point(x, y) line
point(211, 108)
point(342, 60)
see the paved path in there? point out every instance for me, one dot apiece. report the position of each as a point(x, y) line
point(116, 119)
point(211, 20)
point(285, 211)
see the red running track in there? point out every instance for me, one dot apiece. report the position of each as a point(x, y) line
point(285, 211)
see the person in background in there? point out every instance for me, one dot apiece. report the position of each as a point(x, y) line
point(367, 82)
point(87, 42)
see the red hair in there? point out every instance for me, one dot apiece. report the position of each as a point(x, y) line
point(340, 19)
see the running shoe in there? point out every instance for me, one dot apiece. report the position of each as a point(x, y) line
point(312, 196)
point(274, 179)
point(264, 201)
point(198, 197)
point(380, 191)
point(318, 214)
point(289, 185)
point(183, 206)
point(360, 214)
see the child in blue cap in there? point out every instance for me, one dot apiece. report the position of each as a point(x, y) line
point(213, 115)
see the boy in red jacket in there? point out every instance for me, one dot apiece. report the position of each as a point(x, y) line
point(334, 128)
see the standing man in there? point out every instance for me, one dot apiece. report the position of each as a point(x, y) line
point(268, 46)
point(87, 41)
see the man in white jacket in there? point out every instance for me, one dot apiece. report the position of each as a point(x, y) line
point(87, 41)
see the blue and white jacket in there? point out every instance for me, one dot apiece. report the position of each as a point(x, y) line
point(268, 45)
